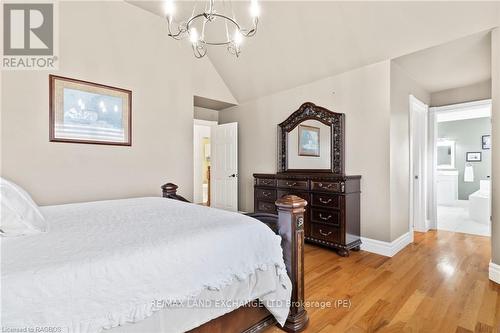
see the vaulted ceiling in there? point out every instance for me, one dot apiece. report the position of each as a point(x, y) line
point(459, 63)
point(302, 41)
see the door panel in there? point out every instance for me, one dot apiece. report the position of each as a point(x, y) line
point(418, 165)
point(224, 150)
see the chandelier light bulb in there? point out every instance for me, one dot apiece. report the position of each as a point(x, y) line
point(254, 8)
point(237, 38)
point(169, 8)
point(193, 35)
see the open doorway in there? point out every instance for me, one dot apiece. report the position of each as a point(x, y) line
point(215, 160)
point(202, 132)
point(462, 150)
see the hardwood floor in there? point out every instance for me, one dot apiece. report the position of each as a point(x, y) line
point(437, 284)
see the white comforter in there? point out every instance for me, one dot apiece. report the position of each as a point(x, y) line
point(103, 263)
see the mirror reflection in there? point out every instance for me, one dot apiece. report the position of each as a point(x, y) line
point(309, 146)
point(446, 154)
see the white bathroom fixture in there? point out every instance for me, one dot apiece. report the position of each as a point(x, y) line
point(480, 203)
point(447, 187)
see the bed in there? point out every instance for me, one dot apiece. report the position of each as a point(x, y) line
point(156, 265)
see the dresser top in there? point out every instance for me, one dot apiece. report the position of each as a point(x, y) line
point(305, 175)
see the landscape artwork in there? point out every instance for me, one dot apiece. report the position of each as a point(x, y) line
point(84, 112)
point(308, 141)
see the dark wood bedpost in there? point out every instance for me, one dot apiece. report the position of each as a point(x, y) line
point(291, 229)
point(169, 190)
point(289, 224)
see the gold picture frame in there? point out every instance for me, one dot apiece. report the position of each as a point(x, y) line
point(88, 112)
point(309, 141)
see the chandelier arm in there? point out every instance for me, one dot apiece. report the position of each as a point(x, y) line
point(177, 35)
point(251, 32)
point(199, 51)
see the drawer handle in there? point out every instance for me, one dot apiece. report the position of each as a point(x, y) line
point(267, 182)
point(266, 194)
point(327, 186)
point(325, 233)
point(324, 218)
point(323, 201)
point(291, 184)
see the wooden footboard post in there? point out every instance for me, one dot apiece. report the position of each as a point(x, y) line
point(169, 190)
point(291, 230)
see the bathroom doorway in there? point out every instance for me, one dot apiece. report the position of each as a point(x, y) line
point(462, 167)
point(202, 133)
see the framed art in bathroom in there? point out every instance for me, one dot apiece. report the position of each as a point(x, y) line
point(473, 157)
point(88, 112)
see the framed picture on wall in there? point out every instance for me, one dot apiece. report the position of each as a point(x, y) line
point(486, 141)
point(308, 141)
point(88, 112)
point(473, 157)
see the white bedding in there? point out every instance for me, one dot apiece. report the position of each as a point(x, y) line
point(181, 319)
point(104, 263)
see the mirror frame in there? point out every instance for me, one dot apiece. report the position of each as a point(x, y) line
point(309, 111)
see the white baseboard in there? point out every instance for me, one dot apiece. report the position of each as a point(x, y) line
point(388, 249)
point(425, 228)
point(494, 272)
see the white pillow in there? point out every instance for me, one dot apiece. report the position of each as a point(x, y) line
point(19, 214)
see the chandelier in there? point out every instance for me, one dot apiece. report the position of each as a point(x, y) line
point(204, 20)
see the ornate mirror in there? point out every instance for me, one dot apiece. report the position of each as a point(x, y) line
point(312, 140)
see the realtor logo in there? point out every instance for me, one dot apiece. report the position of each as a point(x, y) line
point(28, 36)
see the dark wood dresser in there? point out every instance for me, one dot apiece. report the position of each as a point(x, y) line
point(332, 214)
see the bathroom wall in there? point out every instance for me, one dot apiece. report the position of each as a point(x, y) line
point(467, 135)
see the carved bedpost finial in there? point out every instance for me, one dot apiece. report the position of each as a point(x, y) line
point(291, 229)
point(169, 190)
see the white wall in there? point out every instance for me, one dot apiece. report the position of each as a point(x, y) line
point(402, 86)
point(118, 44)
point(474, 92)
point(208, 83)
point(363, 95)
point(206, 114)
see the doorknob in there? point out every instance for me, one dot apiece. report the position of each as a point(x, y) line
point(416, 177)
point(234, 175)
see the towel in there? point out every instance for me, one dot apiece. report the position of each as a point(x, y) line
point(469, 174)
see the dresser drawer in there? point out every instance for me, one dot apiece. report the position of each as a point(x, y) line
point(266, 207)
point(325, 200)
point(270, 182)
point(325, 232)
point(293, 184)
point(265, 194)
point(303, 195)
point(327, 186)
point(326, 216)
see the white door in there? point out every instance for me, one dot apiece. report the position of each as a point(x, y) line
point(224, 170)
point(418, 165)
